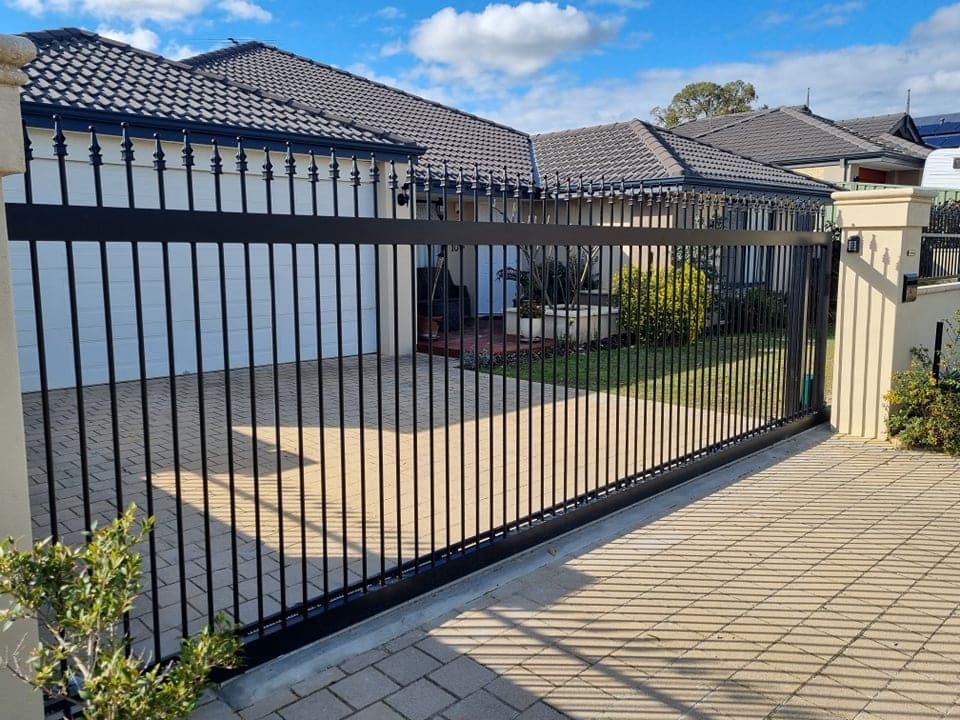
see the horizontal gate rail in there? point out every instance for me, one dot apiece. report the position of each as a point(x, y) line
point(93, 224)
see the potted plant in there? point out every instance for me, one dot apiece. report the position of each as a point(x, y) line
point(525, 320)
point(559, 284)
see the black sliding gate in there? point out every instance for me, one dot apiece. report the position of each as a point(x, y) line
point(329, 409)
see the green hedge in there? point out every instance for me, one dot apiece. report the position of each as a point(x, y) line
point(754, 309)
point(667, 306)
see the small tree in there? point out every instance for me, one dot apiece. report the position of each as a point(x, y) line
point(79, 597)
point(706, 99)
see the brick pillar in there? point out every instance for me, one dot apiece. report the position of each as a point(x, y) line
point(875, 328)
point(18, 700)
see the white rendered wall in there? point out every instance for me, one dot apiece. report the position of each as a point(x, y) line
point(355, 308)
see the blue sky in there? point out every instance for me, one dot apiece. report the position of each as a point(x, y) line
point(544, 66)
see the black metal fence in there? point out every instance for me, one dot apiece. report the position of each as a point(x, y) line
point(940, 244)
point(329, 409)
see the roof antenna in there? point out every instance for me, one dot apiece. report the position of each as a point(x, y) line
point(807, 104)
point(908, 101)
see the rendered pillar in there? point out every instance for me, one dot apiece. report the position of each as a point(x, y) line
point(17, 700)
point(874, 333)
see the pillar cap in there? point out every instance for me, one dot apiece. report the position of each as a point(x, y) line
point(15, 52)
point(895, 194)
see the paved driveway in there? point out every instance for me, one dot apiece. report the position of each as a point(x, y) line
point(303, 483)
point(818, 580)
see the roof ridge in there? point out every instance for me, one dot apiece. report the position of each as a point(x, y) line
point(735, 119)
point(75, 33)
point(672, 163)
point(72, 33)
point(831, 127)
point(223, 52)
point(245, 47)
point(772, 166)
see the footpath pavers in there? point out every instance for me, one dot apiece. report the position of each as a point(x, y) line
point(820, 579)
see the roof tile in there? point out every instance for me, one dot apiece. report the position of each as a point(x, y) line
point(449, 134)
point(648, 153)
point(79, 69)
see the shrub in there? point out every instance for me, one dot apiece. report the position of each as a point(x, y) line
point(924, 412)
point(79, 596)
point(755, 309)
point(667, 306)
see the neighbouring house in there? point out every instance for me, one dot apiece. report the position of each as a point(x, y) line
point(885, 149)
point(709, 180)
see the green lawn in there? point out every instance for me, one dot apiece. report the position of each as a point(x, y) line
point(719, 372)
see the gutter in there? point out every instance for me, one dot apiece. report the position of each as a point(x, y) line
point(144, 126)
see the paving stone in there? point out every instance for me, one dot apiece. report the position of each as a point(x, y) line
point(267, 705)
point(358, 662)
point(510, 692)
point(480, 704)
point(215, 709)
point(420, 700)
point(377, 711)
point(439, 650)
point(462, 676)
point(323, 704)
point(363, 687)
point(408, 664)
point(318, 681)
point(541, 711)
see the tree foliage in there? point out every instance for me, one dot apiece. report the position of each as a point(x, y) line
point(79, 596)
point(706, 99)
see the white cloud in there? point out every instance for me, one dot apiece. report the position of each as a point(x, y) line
point(139, 37)
point(138, 11)
point(390, 12)
point(833, 14)
point(944, 22)
point(774, 18)
point(176, 51)
point(132, 11)
point(848, 82)
point(513, 40)
point(244, 10)
point(392, 48)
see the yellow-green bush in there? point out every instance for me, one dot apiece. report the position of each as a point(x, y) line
point(667, 306)
point(924, 411)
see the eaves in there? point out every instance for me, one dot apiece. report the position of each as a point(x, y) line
point(144, 126)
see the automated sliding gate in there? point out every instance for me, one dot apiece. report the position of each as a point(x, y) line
point(330, 414)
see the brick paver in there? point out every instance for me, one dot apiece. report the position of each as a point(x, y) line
point(824, 586)
point(376, 476)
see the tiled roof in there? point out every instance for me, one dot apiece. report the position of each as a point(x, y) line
point(871, 127)
point(793, 135)
point(636, 150)
point(448, 134)
point(81, 70)
point(903, 146)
